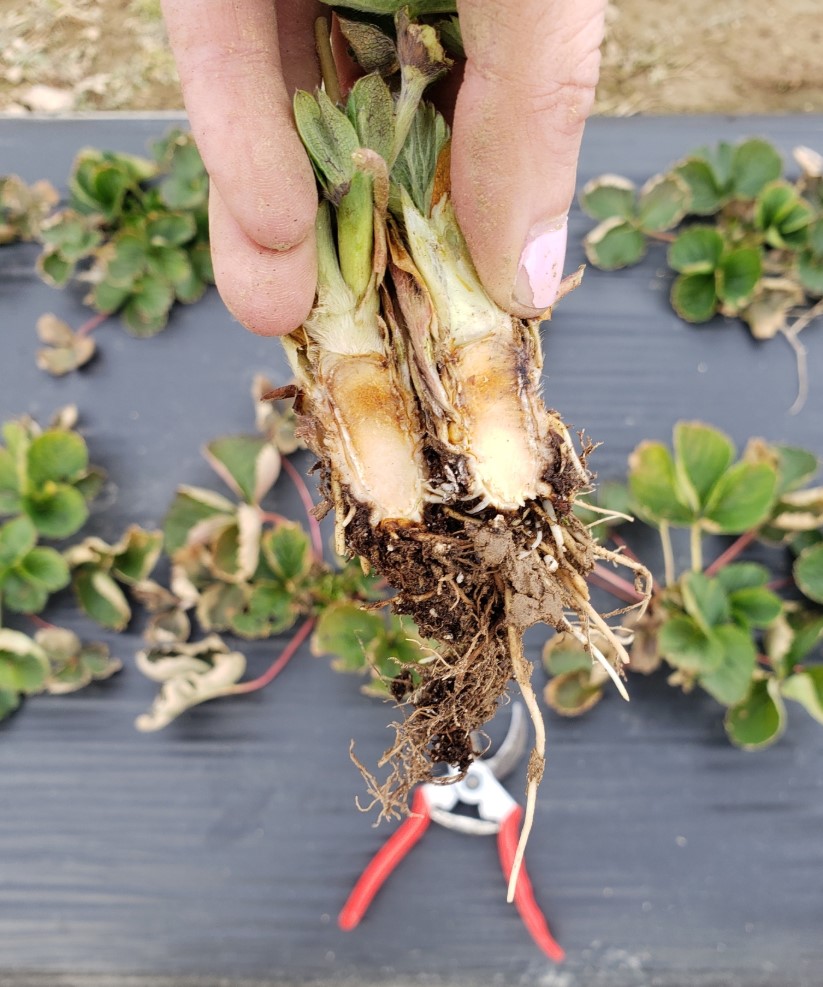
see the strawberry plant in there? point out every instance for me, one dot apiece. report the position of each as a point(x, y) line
point(135, 230)
point(722, 626)
point(743, 240)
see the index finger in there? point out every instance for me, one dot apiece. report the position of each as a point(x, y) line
point(231, 71)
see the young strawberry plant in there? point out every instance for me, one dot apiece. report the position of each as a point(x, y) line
point(46, 483)
point(136, 232)
point(744, 241)
point(240, 569)
point(721, 626)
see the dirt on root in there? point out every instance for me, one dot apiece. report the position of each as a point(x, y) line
point(659, 56)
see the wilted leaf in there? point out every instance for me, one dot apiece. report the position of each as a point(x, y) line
point(759, 719)
point(74, 664)
point(190, 507)
point(766, 314)
point(219, 604)
point(248, 464)
point(168, 627)
point(573, 693)
point(191, 674)
point(136, 554)
point(100, 597)
point(615, 243)
point(806, 688)
point(23, 663)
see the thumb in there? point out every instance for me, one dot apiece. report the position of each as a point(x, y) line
point(532, 66)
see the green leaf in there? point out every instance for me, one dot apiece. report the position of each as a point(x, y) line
point(107, 297)
point(754, 163)
point(742, 575)
point(653, 484)
point(328, 137)
point(702, 455)
point(808, 572)
point(685, 645)
point(45, 567)
point(127, 260)
point(70, 235)
point(810, 272)
point(22, 596)
point(287, 550)
point(190, 506)
point(705, 600)
point(816, 237)
point(56, 455)
point(23, 664)
point(806, 688)
point(170, 229)
point(729, 682)
point(738, 274)
point(170, 264)
point(249, 464)
point(755, 606)
point(615, 243)
point(147, 311)
point(563, 654)
point(17, 538)
point(57, 511)
point(741, 499)
point(694, 297)
point(696, 250)
point(139, 555)
point(275, 604)
point(608, 196)
point(9, 702)
point(370, 108)
point(807, 633)
point(796, 467)
point(707, 195)
point(663, 202)
point(9, 483)
point(783, 216)
point(100, 597)
point(759, 719)
point(348, 633)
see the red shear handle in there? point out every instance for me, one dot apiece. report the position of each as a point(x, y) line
point(384, 862)
point(523, 895)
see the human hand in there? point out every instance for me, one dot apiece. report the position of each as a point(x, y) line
point(528, 87)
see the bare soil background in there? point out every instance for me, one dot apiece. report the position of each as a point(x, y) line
point(660, 56)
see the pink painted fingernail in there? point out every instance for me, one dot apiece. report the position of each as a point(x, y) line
point(541, 264)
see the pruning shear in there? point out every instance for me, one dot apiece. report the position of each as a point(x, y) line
point(497, 812)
